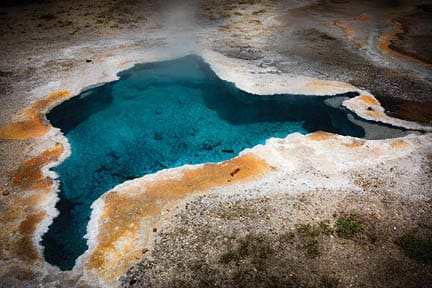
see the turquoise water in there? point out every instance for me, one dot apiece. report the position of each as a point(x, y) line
point(158, 116)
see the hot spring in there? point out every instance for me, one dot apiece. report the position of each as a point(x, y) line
point(158, 116)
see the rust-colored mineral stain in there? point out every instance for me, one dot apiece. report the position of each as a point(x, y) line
point(368, 99)
point(129, 206)
point(399, 144)
point(23, 130)
point(385, 42)
point(355, 143)
point(26, 250)
point(21, 273)
point(41, 105)
point(384, 45)
point(34, 124)
point(375, 114)
point(386, 38)
point(28, 226)
point(25, 214)
point(320, 136)
point(363, 18)
point(30, 175)
point(315, 85)
point(350, 32)
point(346, 28)
point(24, 247)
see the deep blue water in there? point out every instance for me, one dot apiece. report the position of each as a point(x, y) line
point(158, 116)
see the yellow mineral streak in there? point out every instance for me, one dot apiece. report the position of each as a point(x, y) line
point(385, 41)
point(368, 99)
point(386, 38)
point(315, 85)
point(25, 197)
point(320, 135)
point(355, 143)
point(33, 124)
point(346, 28)
point(23, 130)
point(376, 114)
point(30, 173)
point(24, 248)
point(363, 18)
point(399, 144)
point(353, 29)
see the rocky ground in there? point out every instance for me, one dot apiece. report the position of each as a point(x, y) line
point(374, 231)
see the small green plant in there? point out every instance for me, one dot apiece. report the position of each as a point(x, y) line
point(255, 248)
point(287, 237)
point(348, 225)
point(416, 248)
point(307, 230)
point(312, 248)
point(325, 227)
point(310, 234)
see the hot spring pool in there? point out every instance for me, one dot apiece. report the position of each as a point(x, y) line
point(159, 116)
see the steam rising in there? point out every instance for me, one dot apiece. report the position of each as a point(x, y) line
point(179, 24)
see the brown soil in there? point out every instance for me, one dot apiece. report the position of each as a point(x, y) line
point(416, 38)
point(408, 110)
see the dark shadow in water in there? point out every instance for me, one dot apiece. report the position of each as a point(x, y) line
point(158, 116)
point(70, 115)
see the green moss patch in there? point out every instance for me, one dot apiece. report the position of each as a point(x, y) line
point(349, 225)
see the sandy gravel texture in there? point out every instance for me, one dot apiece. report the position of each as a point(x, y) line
point(210, 227)
point(73, 45)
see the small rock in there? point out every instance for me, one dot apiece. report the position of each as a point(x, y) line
point(157, 136)
point(235, 171)
point(191, 132)
point(211, 144)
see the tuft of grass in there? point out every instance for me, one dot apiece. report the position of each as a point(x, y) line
point(312, 248)
point(325, 227)
point(310, 234)
point(416, 248)
point(307, 230)
point(255, 248)
point(287, 237)
point(348, 225)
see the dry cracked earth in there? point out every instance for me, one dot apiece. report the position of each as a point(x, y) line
point(331, 211)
